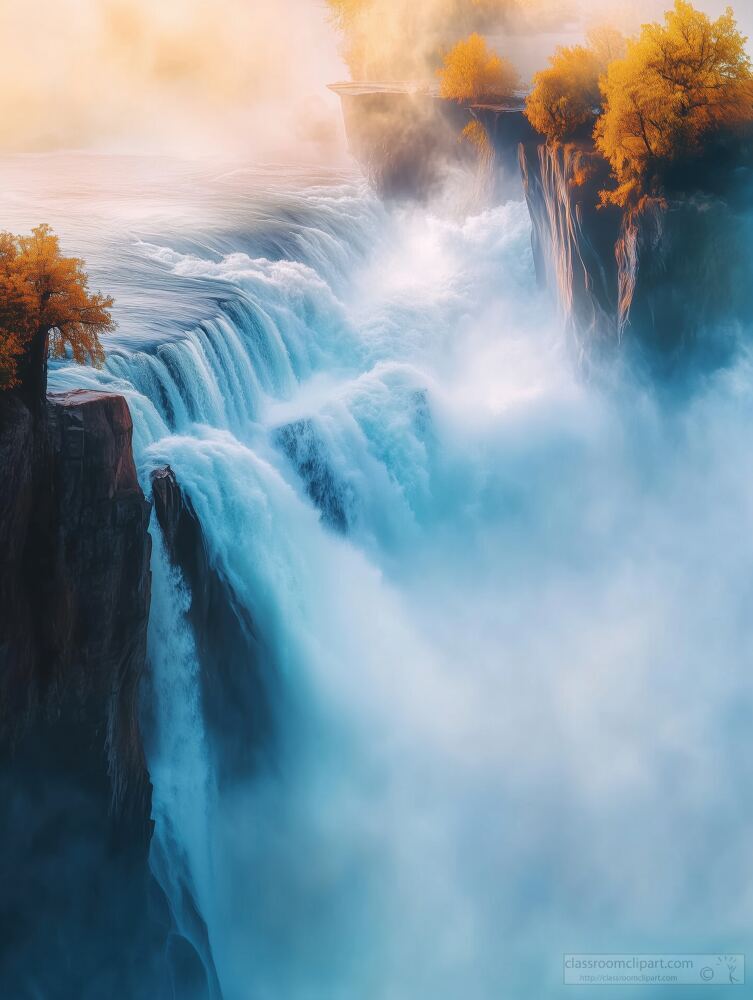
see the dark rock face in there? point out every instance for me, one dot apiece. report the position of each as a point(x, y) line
point(235, 674)
point(506, 128)
point(573, 244)
point(686, 280)
point(403, 142)
point(81, 916)
point(670, 282)
point(304, 447)
point(236, 705)
point(407, 143)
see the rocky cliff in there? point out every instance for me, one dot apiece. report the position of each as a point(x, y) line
point(235, 675)
point(671, 281)
point(668, 283)
point(80, 913)
point(408, 142)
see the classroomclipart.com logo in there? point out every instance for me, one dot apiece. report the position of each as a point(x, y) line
point(653, 970)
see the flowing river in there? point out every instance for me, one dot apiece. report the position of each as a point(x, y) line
point(503, 610)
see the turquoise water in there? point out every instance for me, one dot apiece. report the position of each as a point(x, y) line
point(506, 608)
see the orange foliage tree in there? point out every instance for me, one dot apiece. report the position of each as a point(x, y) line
point(566, 96)
point(394, 40)
point(45, 303)
point(473, 72)
point(678, 82)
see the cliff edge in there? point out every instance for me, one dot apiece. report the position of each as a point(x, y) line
point(669, 281)
point(408, 141)
point(81, 915)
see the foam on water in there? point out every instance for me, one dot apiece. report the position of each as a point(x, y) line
point(507, 610)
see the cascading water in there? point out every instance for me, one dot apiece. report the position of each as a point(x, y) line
point(506, 611)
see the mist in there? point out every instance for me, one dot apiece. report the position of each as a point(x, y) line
point(239, 78)
point(516, 692)
point(179, 76)
point(514, 681)
point(395, 40)
point(629, 16)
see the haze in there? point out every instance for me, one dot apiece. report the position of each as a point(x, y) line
point(239, 77)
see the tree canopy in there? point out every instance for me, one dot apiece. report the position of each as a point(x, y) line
point(45, 299)
point(677, 82)
point(395, 40)
point(566, 96)
point(473, 72)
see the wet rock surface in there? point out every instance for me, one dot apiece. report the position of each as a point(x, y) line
point(235, 676)
point(669, 282)
point(80, 913)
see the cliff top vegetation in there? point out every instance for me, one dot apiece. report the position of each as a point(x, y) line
point(679, 82)
point(473, 72)
point(387, 40)
point(45, 303)
point(566, 96)
point(653, 99)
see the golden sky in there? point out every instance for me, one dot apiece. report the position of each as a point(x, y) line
point(242, 76)
point(167, 74)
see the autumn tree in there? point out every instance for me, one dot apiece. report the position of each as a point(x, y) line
point(567, 96)
point(607, 44)
point(391, 39)
point(678, 82)
point(473, 72)
point(45, 304)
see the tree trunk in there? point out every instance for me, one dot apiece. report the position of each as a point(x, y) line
point(32, 371)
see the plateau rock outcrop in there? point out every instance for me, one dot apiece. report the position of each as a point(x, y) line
point(81, 914)
point(669, 280)
point(408, 140)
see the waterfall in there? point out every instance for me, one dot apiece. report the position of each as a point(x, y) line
point(485, 594)
point(571, 257)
